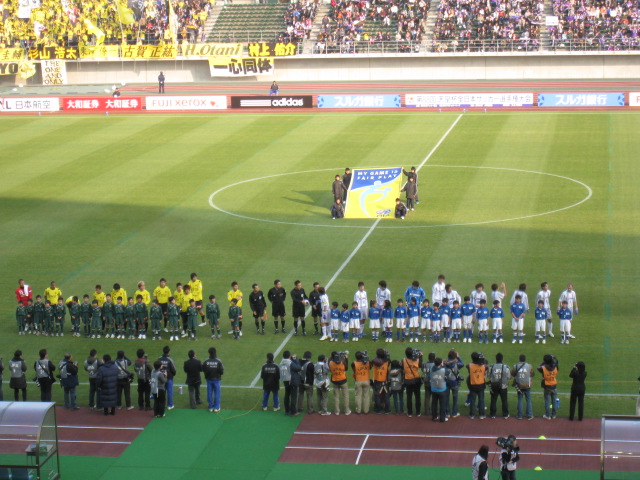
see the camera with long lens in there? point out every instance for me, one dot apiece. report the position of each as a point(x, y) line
point(415, 354)
point(340, 357)
point(365, 357)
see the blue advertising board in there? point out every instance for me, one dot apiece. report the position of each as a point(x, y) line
point(581, 99)
point(359, 101)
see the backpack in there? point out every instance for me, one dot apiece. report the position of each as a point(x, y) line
point(154, 383)
point(523, 376)
point(91, 368)
point(395, 380)
point(438, 378)
point(426, 368)
point(321, 380)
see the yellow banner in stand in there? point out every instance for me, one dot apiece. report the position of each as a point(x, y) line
point(373, 192)
point(100, 51)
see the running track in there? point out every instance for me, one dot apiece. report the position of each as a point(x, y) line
point(88, 433)
point(399, 440)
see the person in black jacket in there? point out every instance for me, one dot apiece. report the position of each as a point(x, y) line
point(213, 370)
point(124, 380)
point(306, 387)
point(44, 373)
point(107, 384)
point(277, 295)
point(300, 300)
point(18, 379)
point(192, 368)
point(270, 375)
point(258, 307)
point(346, 181)
point(295, 382)
point(69, 380)
point(169, 368)
point(578, 374)
point(143, 371)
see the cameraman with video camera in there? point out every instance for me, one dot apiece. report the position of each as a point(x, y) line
point(338, 366)
point(380, 377)
point(412, 366)
point(362, 375)
point(453, 363)
point(509, 456)
point(549, 370)
point(476, 383)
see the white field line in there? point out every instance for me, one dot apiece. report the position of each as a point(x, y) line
point(364, 442)
point(458, 437)
point(417, 450)
point(357, 248)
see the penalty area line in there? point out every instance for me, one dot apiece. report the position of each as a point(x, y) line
point(358, 247)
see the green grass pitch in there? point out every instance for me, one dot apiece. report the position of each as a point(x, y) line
point(88, 200)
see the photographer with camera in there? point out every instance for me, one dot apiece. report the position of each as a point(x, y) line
point(381, 365)
point(44, 375)
point(338, 366)
point(549, 370)
point(453, 364)
point(522, 373)
point(321, 383)
point(362, 375)
point(509, 456)
point(69, 381)
point(143, 371)
point(578, 389)
point(412, 366)
point(476, 383)
point(479, 466)
point(306, 387)
point(499, 375)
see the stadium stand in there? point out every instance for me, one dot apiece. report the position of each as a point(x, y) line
point(496, 25)
point(75, 22)
point(595, 25)
point(356, 26)
point(251, 23)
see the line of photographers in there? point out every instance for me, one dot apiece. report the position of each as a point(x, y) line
point(393, 380)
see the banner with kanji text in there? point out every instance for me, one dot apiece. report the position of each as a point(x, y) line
point(272, 49)
point(240, 67)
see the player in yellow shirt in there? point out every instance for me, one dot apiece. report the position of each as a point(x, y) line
point(184, 307)
point(52, 293)
point(196, 291)
point(118, 292)
point(236, 293)
point(162, 294)
point(99, 296)
point(143, 292)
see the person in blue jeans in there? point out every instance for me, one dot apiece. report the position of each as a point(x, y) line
point(169, 368)
point(549, 370)
point(213, 370)
point(522, 373)
point(270, 375)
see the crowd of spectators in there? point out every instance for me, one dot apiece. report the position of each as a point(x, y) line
point(298, 20)
point(472, 25)
point(354, 21)
point(91, 22)
point(595, 24)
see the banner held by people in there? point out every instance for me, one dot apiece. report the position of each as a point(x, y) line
point(373, 192)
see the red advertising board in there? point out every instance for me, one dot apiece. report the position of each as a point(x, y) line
point(101, 104)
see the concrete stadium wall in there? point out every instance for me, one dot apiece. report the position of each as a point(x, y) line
point(363, 68)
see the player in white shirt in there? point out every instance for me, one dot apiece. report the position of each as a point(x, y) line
point(438, 290)
point(452, 295)
point(360, 297)
point(382, 293)
point(477, 295)
point(496, 294)
point(544, 296)
point(524, 299)
point(569, 295)
point(325, 311)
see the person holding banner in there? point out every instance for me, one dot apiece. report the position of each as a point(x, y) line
point(346, 181)
point(412, 192)
point(338, 189)
point(401, 209)
point(161, 83)
point(412, 174)
point(337, 210)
